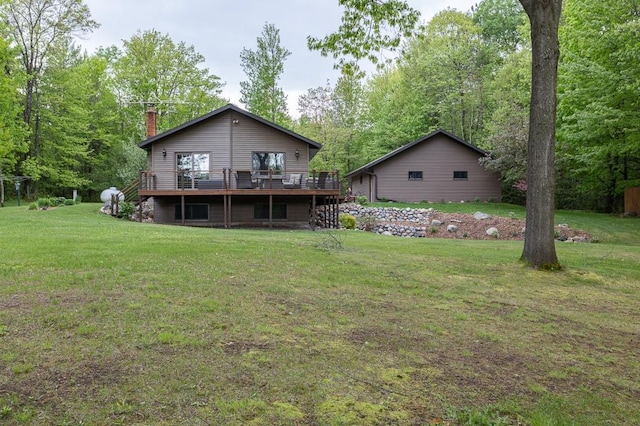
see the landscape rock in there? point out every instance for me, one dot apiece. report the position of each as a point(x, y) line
point(493, 232)
point(481, 216)
point(419, 223)
point(452, 228)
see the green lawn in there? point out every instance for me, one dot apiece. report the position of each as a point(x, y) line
point(104, 321)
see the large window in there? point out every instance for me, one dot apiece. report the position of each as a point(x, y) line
point(192, 212)
point(262, 162)
point(459, 175)
point(191, 167)
point(261, 211)
point(415, 175)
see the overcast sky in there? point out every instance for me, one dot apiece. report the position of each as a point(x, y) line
point(219, 30)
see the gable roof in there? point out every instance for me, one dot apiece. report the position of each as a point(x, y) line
point(412, 144)
point(219, 111)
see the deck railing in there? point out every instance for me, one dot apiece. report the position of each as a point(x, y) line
point(226, 179)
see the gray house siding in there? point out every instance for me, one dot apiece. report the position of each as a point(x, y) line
point(230, 139)
point(435, 158)
point(249, 136)
point(208, 137)
point(242, 210)
point(363, 184)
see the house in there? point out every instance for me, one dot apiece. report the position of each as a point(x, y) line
point(230, 167)
point(437, 167)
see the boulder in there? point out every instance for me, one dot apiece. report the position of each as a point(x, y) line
point(493, 232)
point(481, 216)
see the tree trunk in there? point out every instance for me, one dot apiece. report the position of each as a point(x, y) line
point(539, 245)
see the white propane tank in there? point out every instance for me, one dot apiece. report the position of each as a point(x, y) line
point(105, 196)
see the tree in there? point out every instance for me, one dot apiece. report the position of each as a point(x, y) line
point(38, 26)
point(331, 116)
point(263, 67)
point(598, 132)
point(354, 38)
point(152, 69)
point(508, 124)
point(446, 66)
point(501, 22)
point(12, 129)
point(62, 118)
point(368, 30)
point(539, 245)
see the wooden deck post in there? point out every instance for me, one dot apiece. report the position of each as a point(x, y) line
point(270, 211)
point(313, 212)
point(182, 208)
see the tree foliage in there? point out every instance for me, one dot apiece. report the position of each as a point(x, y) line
point(263, 68)
point(152, 69)
point(12, 129)
point(38, 26)
point(599, 135)
point(369, 28)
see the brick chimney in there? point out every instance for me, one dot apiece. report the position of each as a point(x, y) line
point(151, 121)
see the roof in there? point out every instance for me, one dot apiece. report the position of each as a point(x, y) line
point(219, 111)
point(403, 148)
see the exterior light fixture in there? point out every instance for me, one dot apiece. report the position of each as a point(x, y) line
point(297, 154)
point(164, 152)
point(235, 121)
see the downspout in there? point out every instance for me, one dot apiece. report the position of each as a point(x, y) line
point(375, 186)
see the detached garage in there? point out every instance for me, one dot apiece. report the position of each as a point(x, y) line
point(437, 167)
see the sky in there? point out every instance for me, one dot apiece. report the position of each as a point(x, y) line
point(219, 30)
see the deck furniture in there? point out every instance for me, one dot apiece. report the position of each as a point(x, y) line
point(210, 184)
point(294, 182)
point(318, 182)
point(244, 180)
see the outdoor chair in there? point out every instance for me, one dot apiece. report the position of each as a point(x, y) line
point(294, 182)
point(319, 181)
point(244, 180)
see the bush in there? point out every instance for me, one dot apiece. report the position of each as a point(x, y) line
point(33, 206)
point(127, 209)
point(362, 200)
point(347, 220)
point(68, 202)
point(44, 202)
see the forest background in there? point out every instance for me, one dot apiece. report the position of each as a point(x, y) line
point(72, 120)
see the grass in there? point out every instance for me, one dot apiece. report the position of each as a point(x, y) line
point(104, 321)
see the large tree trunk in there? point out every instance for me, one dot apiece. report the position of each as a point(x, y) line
point(539, 245)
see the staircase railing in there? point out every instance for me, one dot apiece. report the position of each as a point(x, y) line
point(131, 191)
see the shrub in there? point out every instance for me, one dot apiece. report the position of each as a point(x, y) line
point(44, 202)
point(68, 202)
point(127, 209)
point(33, 206)
point(347, 220)
point(362, 200)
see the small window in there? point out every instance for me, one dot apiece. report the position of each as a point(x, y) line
point(261, 211)
point(415, 175)
point(192, 212)
point(460, 176)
